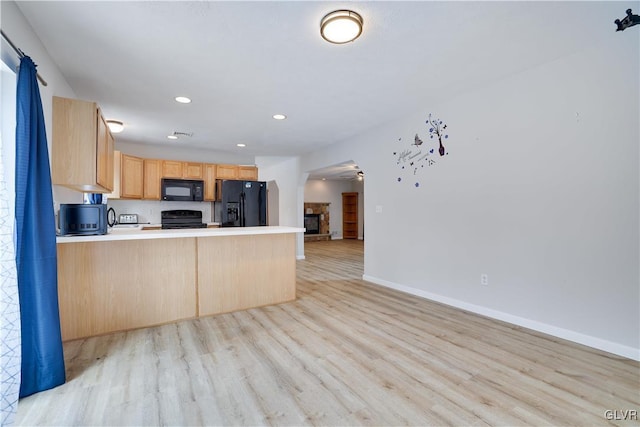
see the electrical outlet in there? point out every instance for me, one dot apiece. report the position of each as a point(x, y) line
point(484, 279)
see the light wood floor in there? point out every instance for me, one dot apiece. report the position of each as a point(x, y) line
point(345, 353)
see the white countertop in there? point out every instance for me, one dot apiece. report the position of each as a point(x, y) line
point(137, 233)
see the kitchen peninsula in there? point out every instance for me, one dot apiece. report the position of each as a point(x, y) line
point(138, 278)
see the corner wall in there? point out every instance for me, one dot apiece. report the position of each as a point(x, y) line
point(18, 29)
point(285, 172)
point(539, 191)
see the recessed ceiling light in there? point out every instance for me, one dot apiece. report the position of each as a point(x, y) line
point(279, 116)
point(241, 145)
point(183, 99)
point(172, 137)
point(341, 26)
point(115, 126)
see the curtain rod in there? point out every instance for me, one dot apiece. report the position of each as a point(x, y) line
point(21, 55)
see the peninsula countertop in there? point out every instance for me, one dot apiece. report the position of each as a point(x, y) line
point(134, 278)
point(140, 233)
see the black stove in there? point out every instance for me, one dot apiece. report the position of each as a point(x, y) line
point(182, 219)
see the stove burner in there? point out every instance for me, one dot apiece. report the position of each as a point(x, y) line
point(177, 226)
point(177, 219)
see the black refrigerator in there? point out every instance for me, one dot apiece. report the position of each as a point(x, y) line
point(244, 203)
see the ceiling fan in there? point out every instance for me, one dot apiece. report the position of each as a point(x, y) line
point(359, 175)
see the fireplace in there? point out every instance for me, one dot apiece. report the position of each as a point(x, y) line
point(312, 223)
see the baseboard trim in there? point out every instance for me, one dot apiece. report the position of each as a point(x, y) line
point(300, 257)
point(588, 340)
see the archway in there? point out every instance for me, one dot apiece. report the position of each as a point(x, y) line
point(323, 194)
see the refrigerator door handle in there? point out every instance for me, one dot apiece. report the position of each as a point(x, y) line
point(242, 212)
point(261, 218)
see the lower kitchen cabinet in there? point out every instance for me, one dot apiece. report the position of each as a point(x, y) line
point(246, 272)
point(118, 285)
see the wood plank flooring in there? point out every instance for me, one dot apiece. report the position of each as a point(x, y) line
point(344, 353)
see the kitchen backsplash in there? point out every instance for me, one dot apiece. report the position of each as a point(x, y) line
point(149, 210)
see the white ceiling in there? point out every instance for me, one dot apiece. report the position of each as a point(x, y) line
point(242, 62)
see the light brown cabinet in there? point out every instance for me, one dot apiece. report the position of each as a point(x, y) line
point(245, 173)
point(157, 281)
point(82, 147)
point(250, 271)
point(192, 170)
point(137, 178)
point(131, 177)
point(104, 151)
point(183, 170)
point(171, 169)
point(209, 182)
point(227, 171)
point(152, 179)
point(115, 194)
point(350, 215)
point(248, 173)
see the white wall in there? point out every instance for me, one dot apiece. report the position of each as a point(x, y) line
point(149, 211)
point(330, 191)
point(540, 190)
point(176, 152)
point(8, 80)
point(17, 28)
point(285, 173)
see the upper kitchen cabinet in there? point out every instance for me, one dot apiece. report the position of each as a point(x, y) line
point(227, 172)
point(171, 169)
point(131, 177)
point(152, 179)
point(185, 170)
point(192, 170)
point(82, 149)
point(244, 173)
point(248, 173)
point(209, 182)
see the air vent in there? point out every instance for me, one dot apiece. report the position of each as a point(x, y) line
point(189, 134)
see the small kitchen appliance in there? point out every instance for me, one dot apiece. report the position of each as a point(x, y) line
point(182, 190)
point(182, 219)
point(81, 219)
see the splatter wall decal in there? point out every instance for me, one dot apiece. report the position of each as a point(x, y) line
point(419, 154)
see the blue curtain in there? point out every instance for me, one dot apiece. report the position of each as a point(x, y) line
point(42, 357)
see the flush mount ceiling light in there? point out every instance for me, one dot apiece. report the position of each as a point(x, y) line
point(172, 137)
point(241, 145)
point(115, 126)
point(183, 99)
point(279, 116)
point(341, 26)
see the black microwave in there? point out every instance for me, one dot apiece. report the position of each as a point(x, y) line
point(76, 219)
point(182, 190)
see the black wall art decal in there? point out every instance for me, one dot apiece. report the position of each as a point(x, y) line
point(411, 159)
point(628, 21)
